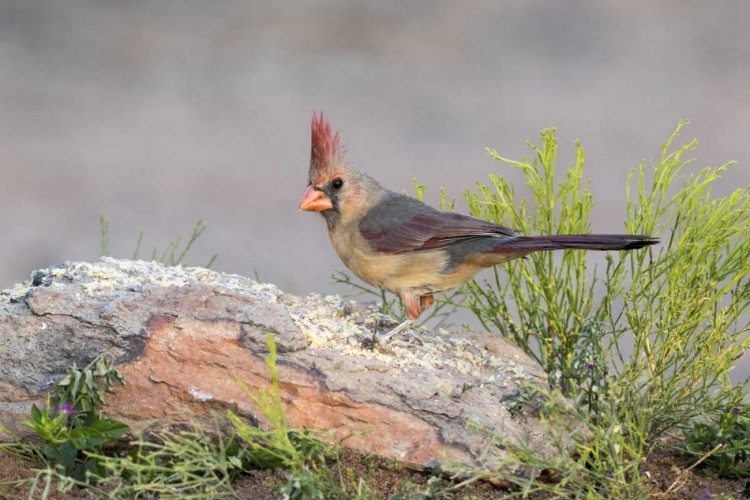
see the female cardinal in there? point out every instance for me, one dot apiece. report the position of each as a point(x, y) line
point(402, 245)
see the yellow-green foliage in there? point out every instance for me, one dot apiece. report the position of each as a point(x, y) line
point(681, 304)
point(278, 446)
point(655, 351)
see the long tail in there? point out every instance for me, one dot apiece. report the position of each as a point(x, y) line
point(574, 242)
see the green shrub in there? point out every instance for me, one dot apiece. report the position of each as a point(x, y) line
point(73, 429)
point(682, 306)
point(725, 442)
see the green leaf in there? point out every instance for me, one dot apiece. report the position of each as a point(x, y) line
point(89, 418)
point(76, 384)
point(63, 454)
point(84, 438)
point(101, 367)
point(66, 380)
point(112, 429)
point(93, 468)
point(36, 413)
point(59, 420)
point(34, 426)
point(89, 382)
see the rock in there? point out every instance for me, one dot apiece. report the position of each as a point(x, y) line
point(184, 337)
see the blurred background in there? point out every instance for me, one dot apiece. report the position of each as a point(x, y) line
point(160, 113)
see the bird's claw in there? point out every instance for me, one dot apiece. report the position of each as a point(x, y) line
point(378, 341)
point(381, 340)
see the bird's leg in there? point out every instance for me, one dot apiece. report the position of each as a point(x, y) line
point(413, 310)
point(382, 340)
point(426, 301)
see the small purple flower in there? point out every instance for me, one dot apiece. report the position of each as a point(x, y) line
point(564, 388)
point(590, 367)
point(706, 495)
point(736, 410)
point(66, 408)
point(610, 475)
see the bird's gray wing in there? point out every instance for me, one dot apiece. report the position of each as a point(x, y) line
point(399, 224)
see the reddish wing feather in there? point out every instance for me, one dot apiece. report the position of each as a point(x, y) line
point(402, 224)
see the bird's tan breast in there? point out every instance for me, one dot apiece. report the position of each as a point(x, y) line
point(393, 272)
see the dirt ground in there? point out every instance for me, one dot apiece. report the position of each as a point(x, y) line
point(664, 468)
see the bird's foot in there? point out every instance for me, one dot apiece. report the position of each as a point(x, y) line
point(381, 340)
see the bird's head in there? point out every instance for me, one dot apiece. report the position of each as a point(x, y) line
point(334, 187)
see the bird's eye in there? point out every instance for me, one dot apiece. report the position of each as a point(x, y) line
point(337, 183)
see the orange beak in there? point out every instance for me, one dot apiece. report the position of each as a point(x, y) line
point(314, 200)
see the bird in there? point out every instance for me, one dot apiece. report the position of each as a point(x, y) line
point(404, 246)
